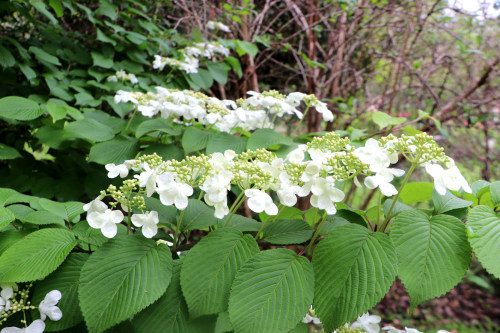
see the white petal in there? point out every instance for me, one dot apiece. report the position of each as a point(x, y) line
point(256, 204)
point(7, 292)
point(149, 230)
point(388, 189)
point(55, 313)
point(37, 326)
point(138, 219)
point(52, 297)
point(271, 208)
point(371, 182)
point(109, 230)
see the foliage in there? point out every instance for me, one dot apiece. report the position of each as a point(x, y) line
point(213, 188)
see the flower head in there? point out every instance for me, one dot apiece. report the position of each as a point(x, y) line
point(259, 201)
point(367, 322)
point(148, 222)
point(37, 326)
point(48, 306)
point(106, 221)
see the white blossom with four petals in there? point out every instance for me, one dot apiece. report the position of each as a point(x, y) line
point(259, 201)
point(106, 221)
point(148, 221)
point(48, 306)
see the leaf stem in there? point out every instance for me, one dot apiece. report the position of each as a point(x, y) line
point(302, 119)
point(395, 199)
point(267, 220)
point(236, 204)
point(177, 230)
point(316, 232)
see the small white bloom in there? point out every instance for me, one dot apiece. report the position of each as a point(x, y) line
point(259, 201)
point(367, 322)
point(325, 194)
point(133, 79)
point(376, 157)
point(5, 295)
point(444, 179)
point(37, 326)
point(162, 241)
point(308, 318)
point(172, 192)
point(115, 170)
point(323, 109)
point(106, 221)
point(147, 179)
point(392, 329)
point(382, 180)
point(297, 155)
point(95, 205)
point(48, 306)
point(148, 222)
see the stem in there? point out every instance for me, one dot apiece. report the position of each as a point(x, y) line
point(388, 217)
point(236, 204)
point(316, 233)
point(379, 206)
point(302, 119)
point(130, 120)
point(177, 230)
point(267, 220)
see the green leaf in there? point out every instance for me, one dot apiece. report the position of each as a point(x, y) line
point(166, 151)
point(66, 210)
point(65, 279)
point(266, 137)
point(398, 207)
point(170, 312)
point(88, 129)
point(35, 256)
point(495, 192)
point(243, 47)
point(28, 72)
point(41, 217)
point(287, 231)
point(101, 61)
point(195, 139)
point(202, 79)
point(272, 292)
point(57, 7)
point(8, 153)
point(121, 278)
point(9, 237)
point(158, 124)
point(210, 267)
point(383, 119)
point(57, 112)
point(219, 71)
point(223, 323)
point(235, 64)
point(84, 98)
point(20, 211)
point(433, 253)
point(331, 223)
point(241, 223)
point(9, 196)
point(416, 192)
point(43, 56)
point(224, 141)
point(6, 216)
point(116, 151)
point(166, 214)
point(479, 187)
point(198, 215)
point(354, 269)
point(19, 108)
point(6, 57)
point(484, 231)
point(448, 202)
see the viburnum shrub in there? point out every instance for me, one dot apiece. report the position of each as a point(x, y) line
point(170, 247)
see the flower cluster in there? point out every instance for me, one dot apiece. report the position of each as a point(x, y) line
point(190, 56)
point(14, 301)
point(212, 25)
point(258, 111)
point(317, 169)
point(123, 76)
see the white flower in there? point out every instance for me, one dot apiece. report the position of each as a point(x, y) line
point(115, 170)
point(148, 222)
point(444, 179)
point(308, 318)
point(382, 180)
point(7, 292)
point(147, 179)
point(367, 322)
point(376, 157)
point(295, 98)
point(323, 109)
point(37, 326)
point(48, 306)
point(391, 329)
point(133, 79)
point(106, 221)
point(325, 194)
point(95, 205)
point(297, 155)
point(172, 192)
point(259, 201)
point(159, 62)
